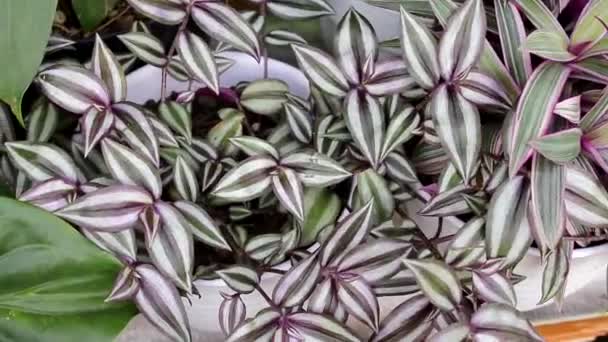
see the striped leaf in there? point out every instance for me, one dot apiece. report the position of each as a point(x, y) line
point(454, 332)
point(162, 132)
point(597, 111)
point(288, 189)
point(437, 282)
point(51, 189)
point(125, 287)
point(41, 161)
point(241, 279)
point(264, 97)
point(315, 169)
point(73, 88)
point(410, 320)
point(261, 327)
point(283, 38)
point(590, 26)
point(594, 69)
point(372, 187)
point(348, 233)
point(130, 168)
point(503, 320)
point(507, 229)
point(110, 209)
point(484, 91)
point(420, 51)
point(212, 171)
point(321, 209)
point(365, 120)
point(198, 59)
point(466, 248)
point(494, 288)
point(146, 47)
point(390, 76)
point(225, 24)
point(200, 150)
point(105, 65)
point(296, 9)
point(354, 44)
point(263, 246)
point(541, 17)
point(569, 109)
point(253, 147)
point(185, 181)
point(549, 45)
point(401, 128)
point(247, 181)
point(96, 125)
point(178, 117)
point(457, 123)
point(323, 300)
point(172, 249)
point(321, 70)
point(177, 69)
point(120, 244)
point(462, 41)
point(560, 147)
point(360, 301)
point(548, 185)
point(299, 120)
point(41, 123)
point(534, 110)
point(586, 199)
point(376, 260)
point(555, 271)
point(159, 301)
point(316, 327)
point(400, 169)
point(230, 126)
point(512, 37)
point(139, 131)
point(232, 313)
point(202, 226)
point(298, 283)
point(163, 11)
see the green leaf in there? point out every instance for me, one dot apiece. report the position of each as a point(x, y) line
point(589, 28)
point(559, 147)
point(321, 208)
point(513, 35)
point(92, 13)
point(26, 26)
point(54, 281)
point(373, 187)
point(549, 45)
point(540, 16)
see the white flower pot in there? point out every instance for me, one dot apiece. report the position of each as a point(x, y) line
point(144, 84)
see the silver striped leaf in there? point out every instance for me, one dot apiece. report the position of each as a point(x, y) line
point(323, 300)
point(159, 301)
point(437, 281)
point(420, 51)
point(467, 247)
point(241, 279)
point(586, 199)
point(365, 120)
point(458, 126)
point(376, 260)
point(512, 36)
point(168, 12)
point(247, 181)
point(265, 96)
point(456, 332)
point(212, 171)
point(41, 123)
point(401, 128)
point(200, 150)
point(297, 9)
point(42, 161)
point(390, 76)
point(178, 117)
point(177, 69)
point(239, 213)
point(125, 287)
point(549, 45)
point(297, 284)
point(138, 130)
point(354, 44)
point(57, 43)
point(254, 147)
point(315, 169)
point(502, 319)
point(410, 320)
point(198, 59)
point(463, 40)
point(372, 187)
point(283, 38)
point(260, 328)
point(282, 139)
point(321, 70)
point(223, 23)
point(73, 88)
point(202, 225)
point(256, 20)
point(146, 47)
point(317, 327)
point(120, 244)
point(569, 109)
point(555, 271)
point(348, 234)
point(429, 159)
point(105, 65)
point(232, 313)
point(560, 147)
point(359, 300)
point(507, 228)
point(494, 288)
point(130, 168)
point(263, 246)
point(288, 189)
point(185, 180)
point(53, 189)
point(448, 203)
point(96, 125)
point(172, 250)
point(110, 209)
point(485, 92)
point(162, 132)
point(299, 119)
point(400, 169)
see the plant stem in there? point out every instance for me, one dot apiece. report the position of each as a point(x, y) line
point(182, 28)
point(262, 33)
point(265, 296)
point(427, 243)
point(116, 17)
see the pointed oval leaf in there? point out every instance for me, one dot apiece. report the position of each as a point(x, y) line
point(296, 285)
point(41, 123)
point(503, 319)
point(96, 125)
point(375, 260)
point(586, 199)
point(365, 120)
point(138, 130)
point(494, 288)
point(359, 300)
point(420, 51)
point(321, 69)
point(253, 146)
point(288, 189)
point(246, 181)
point(296, 9)
point(512, 36)
point(400, 129)
point(198, 59)
point(437, 281)
point(315, 169)
point(555, 271)
point(146, 47)
point(467, 246)
point(121, 244)
point(185, 181)
point(232, 313)
point(355, 43)
point(163, 11)
point(549, 45)
point(372, 187)
point(484, 91)
point(177, 117)
point(203, 227)
point(42, 161)
point(403, 321)
point(241, 279)
point(264, 97)
point(261, 327)
point(390, 76)
point(105, 65)
point(559, 147)
point(299, 120)
point(457, 332)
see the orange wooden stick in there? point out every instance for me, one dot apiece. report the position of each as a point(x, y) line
point(575, 331)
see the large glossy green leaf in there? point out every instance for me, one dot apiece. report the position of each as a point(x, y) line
point(92, 13)
point(25, 29)
point(54, 281)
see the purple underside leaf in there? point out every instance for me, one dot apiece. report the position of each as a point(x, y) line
point(232, 313)
point(359, 300)
point(411, 320)
point(43, 161)
point(95, 125)
point(297, 284)
point(264, 324)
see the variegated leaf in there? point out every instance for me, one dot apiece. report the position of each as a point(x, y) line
point(512, 38)
point(164, 11)
point(246, 181)
point(591, 24)
point(232, 313)
point(105, 65)
point(288, 189)
point(253, 146)
point(298, 283)
point(139, 130)
point(283, 38)
point(467, 246)
point(241, 279)
point(359, 300)
point(437, 281)
point(177, 69)
point(462, 41)
point(146, 47)
point(555, 271)
point(198, 59)
point(203, 227)
point(264, 97)
point(355, 43)
point(321, 208)
point(260, 328)
point(125, 287)
point(400, 169)
point(321, 69)
point(110, 209)
point(448, 203)
point(390, 76)
point(372, 187)
point(484, 91)
point(559, 147)
point(540, 16)
point(586, 199)
point(401, 128)
point(420, 51)
point(315, 169)
point(457, 332)
point(42, 161)
point(96, 125)
point(323, 300)
point(296, 9)
point(121, 244)
point(458, 126)
point(130, 168)
point(569, 109)
point(185, 181)
point(159, 301)
point(376, 260)
point(502, 319)
point(299, 120)
point(494, 288)
point(41, 123)
point(162, 132)
point(263, 246)
point(178, 117)
point(549, 45)
point(73, 88)
point(225, 24)
point(408, 321)
point(365, 120)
